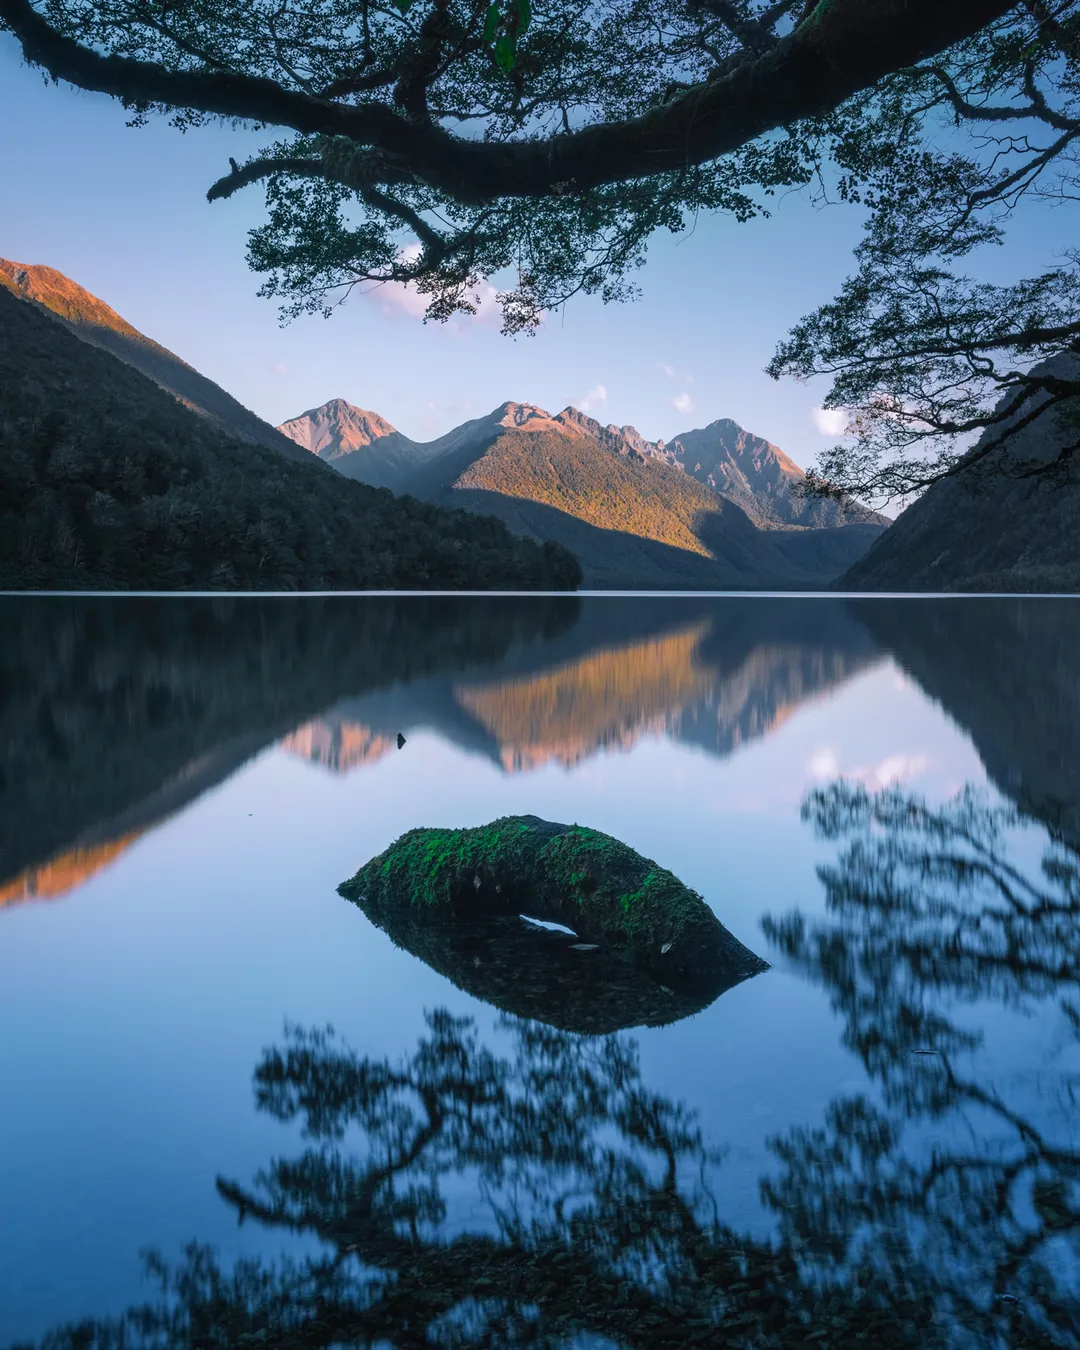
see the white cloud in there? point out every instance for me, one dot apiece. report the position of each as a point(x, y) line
point(683, 403)
point(279, 368)
point(488, 313)
point(674, 374)
point(824, 765)
point(593, 398)
point(394, 298)
point(893, 769)
point(830, 421)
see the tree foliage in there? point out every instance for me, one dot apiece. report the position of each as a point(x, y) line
point(441, 142)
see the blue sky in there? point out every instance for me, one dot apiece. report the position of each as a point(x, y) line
point(124, 213)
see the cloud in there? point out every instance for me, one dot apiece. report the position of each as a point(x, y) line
point(683, 403)
point(830, 421)
point(395, 299)
point(674, 374)
point(279, 368)
point(593, 398)
point(824, 765)
point(891, 770)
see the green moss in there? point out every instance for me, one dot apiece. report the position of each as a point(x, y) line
point(572, 875)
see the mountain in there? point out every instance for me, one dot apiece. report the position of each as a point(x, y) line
point(744, 468)
point(1004, 669)
point(637, 513)
point(359, 444)
point(108, 482)
point(94, 322)
point(364, 446)
point(989, 528)
point(757, 475)
point(631, 522)
point(675, 670)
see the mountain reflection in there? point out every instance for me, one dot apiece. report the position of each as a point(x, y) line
point(716, 681)
point(944, 1213)
point(115, 714)
point(1006, 671)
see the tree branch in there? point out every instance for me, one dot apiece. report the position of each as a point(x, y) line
point(844, 47)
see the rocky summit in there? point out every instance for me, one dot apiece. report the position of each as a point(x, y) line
point(717, 508)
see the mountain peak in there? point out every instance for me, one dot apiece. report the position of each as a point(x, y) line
point(512, 414)
point(337, 428)
point(64, 297)
point(622, 440)
point(95, 322)
point(757, 475)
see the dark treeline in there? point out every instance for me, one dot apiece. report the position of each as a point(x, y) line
point(107, 482)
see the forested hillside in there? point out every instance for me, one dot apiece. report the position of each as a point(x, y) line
point(95, 322)
point(107, 482)
point(632, 522)
point(1009, 522)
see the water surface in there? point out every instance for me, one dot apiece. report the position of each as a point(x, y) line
point(878, 1135)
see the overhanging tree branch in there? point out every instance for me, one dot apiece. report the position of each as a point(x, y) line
point(845, 46)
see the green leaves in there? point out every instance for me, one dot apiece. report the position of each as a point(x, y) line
point(504, 52)
point(504, 29)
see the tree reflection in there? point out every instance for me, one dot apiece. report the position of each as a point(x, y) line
point(965, 1185)
point(945, 1213)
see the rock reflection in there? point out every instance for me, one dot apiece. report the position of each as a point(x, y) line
point(945, 1213)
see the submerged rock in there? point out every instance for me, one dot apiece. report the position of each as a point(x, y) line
point(634, 912)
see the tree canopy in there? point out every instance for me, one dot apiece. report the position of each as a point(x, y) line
point(442, 142)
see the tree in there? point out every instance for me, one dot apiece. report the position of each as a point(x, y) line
point(439, 142)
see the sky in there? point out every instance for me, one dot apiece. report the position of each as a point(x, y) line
point(123, 212)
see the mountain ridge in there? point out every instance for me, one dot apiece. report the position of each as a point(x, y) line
point(629, 509)
point(995, 526)
point(98, 324)
point(109, 482)
point(723, 456)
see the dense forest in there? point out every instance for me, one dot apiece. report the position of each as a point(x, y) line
point(107, 482)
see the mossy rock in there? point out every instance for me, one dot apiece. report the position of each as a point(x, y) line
point(632, 910)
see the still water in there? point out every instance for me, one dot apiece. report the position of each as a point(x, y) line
point(209, 1055)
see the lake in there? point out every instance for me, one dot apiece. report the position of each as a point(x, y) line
point(323, 1137)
